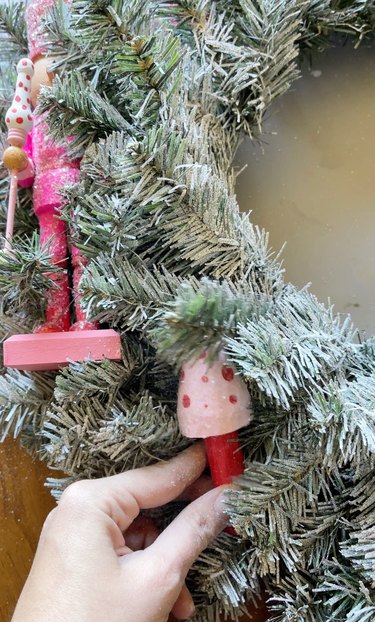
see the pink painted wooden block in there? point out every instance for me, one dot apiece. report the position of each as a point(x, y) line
point(43, 351)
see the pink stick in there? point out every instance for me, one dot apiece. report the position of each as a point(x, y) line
point(11, 209)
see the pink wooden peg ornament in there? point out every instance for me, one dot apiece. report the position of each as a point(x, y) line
point(56, 342)
point(213, 403)
point(18, 117)
point(19, 120)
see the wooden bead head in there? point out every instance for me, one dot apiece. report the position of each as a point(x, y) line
point(15, 159)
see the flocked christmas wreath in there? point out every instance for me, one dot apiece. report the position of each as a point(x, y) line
point(156, 95)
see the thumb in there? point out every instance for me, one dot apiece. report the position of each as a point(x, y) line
point(191, 532)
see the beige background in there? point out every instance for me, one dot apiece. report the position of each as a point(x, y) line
point(311, 183)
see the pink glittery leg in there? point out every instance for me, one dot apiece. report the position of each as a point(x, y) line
point(53, 238)
point(53, 170)
point(79, 262)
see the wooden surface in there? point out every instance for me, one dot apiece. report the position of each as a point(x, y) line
point(24, 504)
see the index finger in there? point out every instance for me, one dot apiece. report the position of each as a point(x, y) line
point(123, 496)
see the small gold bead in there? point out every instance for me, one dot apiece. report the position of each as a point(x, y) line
point(15, 159)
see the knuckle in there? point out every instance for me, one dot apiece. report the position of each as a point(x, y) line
point(75, 494)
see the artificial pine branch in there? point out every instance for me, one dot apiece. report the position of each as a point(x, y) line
point(103, 437)
point(125, 292)
point(110, 42)
point(346, 597)
point(261, 509)
point(201, 316)
point(360, 548)
point(75, 106)
point(294, 600)
point(285, 350)
point(251, 53)
point(13, 26)
point(223, 569)
point(342, 418)
point(172, 195)
point(25, 277)
point(24, 400)
point(322, 18)
point(270, 30)
point(79, 381)
point(135, 437)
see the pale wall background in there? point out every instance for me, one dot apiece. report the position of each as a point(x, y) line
point(312, 183)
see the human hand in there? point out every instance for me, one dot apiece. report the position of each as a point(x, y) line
point(87, 568)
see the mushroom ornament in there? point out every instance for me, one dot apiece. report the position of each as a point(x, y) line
point(213, 403)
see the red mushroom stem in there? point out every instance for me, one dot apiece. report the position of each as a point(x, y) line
point(225, 457)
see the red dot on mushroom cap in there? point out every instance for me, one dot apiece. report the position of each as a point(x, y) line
point(19, 120)
point(233, 399)
point(17, 98)
point(204, 378)
point(186, 401)
point(227, 373)
point(20, 84)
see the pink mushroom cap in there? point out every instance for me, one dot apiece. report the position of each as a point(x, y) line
point(212, 399)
